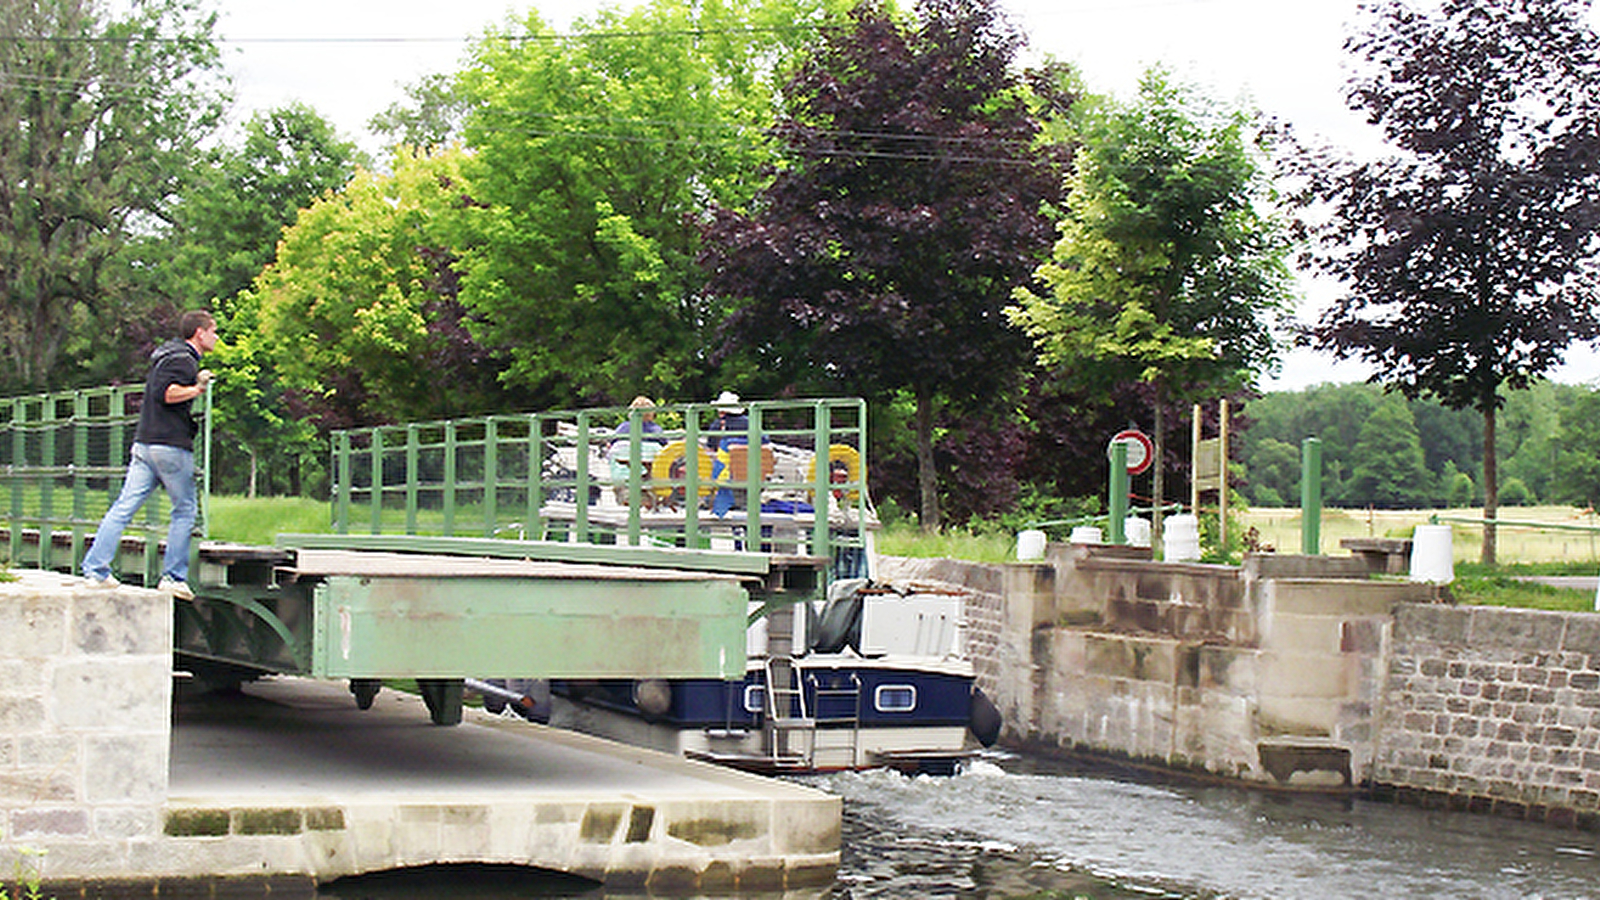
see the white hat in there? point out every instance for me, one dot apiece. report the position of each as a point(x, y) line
point(728, 401)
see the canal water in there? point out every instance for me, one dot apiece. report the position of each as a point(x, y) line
point(1014, 828)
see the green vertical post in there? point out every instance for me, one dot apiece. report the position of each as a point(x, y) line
point(413, 439)
point(19, 484)
point(752, 482)
point(377, 481)
point(534, 520)
point(822, 486)
point(1311, 496)
point(491, 476)
point(691, 484)
point(1119, 494)
point(341, 465)
point(47, 460)
point(635, 485)
point(449, 478)
point(80, 482)
point(580, 518)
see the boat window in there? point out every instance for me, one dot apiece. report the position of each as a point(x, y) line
point(895, 698)
point(755, 698)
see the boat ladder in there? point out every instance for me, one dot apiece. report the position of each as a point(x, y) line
point(796, 726)
point(842, 730)
point(788, 717)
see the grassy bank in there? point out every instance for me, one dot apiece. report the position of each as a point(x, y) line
point(1515, 544)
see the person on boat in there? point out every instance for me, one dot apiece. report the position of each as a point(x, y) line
point(732, 425)
point(651, 443)
point(647, 426)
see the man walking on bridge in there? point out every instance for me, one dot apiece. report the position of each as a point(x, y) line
point(163, 453)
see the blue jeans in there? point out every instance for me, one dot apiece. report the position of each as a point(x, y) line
point(152, 464)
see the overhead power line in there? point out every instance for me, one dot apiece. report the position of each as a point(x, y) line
point(424, 39)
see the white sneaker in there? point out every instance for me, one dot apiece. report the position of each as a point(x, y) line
point(176, 588)
point(107, 582)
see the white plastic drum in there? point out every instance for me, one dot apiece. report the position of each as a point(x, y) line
point(1086, 534)
point(1137, 531)
point(1180, 538)
point(1030, 545)
point(1432, 556)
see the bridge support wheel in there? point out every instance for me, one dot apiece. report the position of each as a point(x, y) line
point(365, 689)
point(443, 697)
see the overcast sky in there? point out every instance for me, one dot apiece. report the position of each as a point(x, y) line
point(350, 59)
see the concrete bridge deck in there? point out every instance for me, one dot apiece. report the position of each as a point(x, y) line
point(118, 779)
point(301, 782)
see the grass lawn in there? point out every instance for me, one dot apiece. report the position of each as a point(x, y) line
point(1513, 545)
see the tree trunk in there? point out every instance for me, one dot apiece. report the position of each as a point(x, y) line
point(1491, 485)
point(927, 477)
point(251, 491)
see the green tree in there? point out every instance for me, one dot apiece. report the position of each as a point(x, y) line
point(359, 309)
point(102, 114)
point(1386, 465)
point(223, 230)
point(908, 207)
point(1467, 255)
point(226, 226)
point(1274, 473)
point(1166, 271)
point(594, 156)
point(1577, 465)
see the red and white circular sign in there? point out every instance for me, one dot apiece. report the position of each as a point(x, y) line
point(1141, 450)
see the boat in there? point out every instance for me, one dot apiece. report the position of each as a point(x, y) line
point(875, 676)
point(842, 671)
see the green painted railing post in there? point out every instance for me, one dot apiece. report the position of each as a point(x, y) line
point(80, 478)
point(413, 439)
point(449, 478)
point(19, 456)
point(534, 518)
point(1119, 493)
point(580, 490)
point(691, 484)
point(341, 499)
point(822, 488)
point(377, 481)
point(635, 485)
point(47, 458)
point(752, 482)
point(1311, 496)
point(491, 476)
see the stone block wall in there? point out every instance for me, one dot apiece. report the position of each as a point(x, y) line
point(85, 699)
point(985, 606)
point(1268, 672)
point(1494, 709)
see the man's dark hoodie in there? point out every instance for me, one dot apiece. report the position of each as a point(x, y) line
point(171, 424)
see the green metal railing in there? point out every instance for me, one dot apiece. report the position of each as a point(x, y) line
point(568, 476)
point(63, 458)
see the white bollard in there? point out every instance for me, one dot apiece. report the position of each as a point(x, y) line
point(1180, 538)
point(1086, 534)
point(1030, 545)
point(1432, 555)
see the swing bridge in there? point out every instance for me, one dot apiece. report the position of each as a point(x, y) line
point(537, 545)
